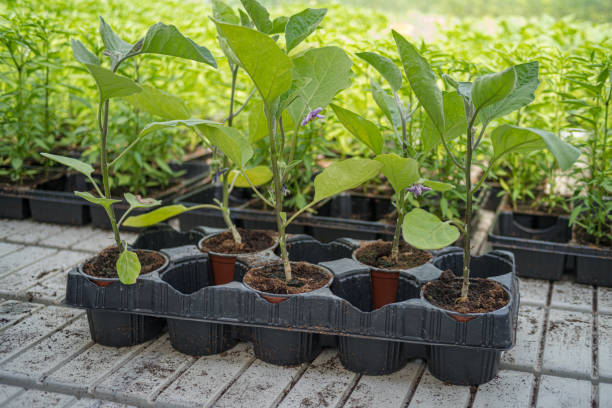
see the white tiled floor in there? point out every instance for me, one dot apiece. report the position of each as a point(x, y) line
point(47, 358)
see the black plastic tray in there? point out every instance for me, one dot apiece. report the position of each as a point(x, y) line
point(206, 319)
point(543, 249)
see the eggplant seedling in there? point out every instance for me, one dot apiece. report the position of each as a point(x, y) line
point(159, 39)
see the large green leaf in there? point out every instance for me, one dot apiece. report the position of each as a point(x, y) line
point(387, 104)
point(156, 216)
point(455, 122)
point(257, 175)
point(78, 165)
point(223, 12)
point(82, 54)
point(267, 65)
point(258, 124)
point(344, 175)
point(107, 203)
point(168, 40)
point(128, 267)
point(492, 88)
point(514, 139)
point(259, 15)
point(159, 103)
point(523, 93)
point(111, 85)
point(323, 72)
point(437, 185)
point(425, 231)
point(301, 25)
point(364, 130)
point(385, 66)
point(400, 171)
point(422, 81)
point(138, 202)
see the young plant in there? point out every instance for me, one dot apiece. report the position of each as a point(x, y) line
point(301, 85)
point(477, 104)
point(159, 39)
point(402, 172)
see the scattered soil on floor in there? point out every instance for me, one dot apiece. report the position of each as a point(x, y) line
point(252, 241)
point(271, 278)
point(484, 295)
point(378, 254)
point(104, 264)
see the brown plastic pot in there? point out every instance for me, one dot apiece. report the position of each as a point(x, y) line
point(223, 265)
point(278, 298)
point(104, 282)
point(384, 287)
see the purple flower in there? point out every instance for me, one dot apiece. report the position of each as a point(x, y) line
point(312, 115)
point(285, 190)
point(418, 189)
point(218, 174)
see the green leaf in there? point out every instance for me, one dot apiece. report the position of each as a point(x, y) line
point(167, 40)
point(111, 85)
point(514, 139)
point(82, 54)
point(155, 216)
point(301, 25)
point(128, 267)
point(324, 72)
point(258, 124)
point(364, 130)
point(387, 104)
point(137, 202)
point(267, 65)
point(258, 14)
point(344, 175)
point(229, 140)
point(455, 122)
point(279, 24)
point(107, 203)
point(523, 93)
point(491, 88)
point(115, 46)
point(258, 175)
point(425, 231)
point(422, 81)
point(401, 172)
point(385, 66)
point(223, 12)
point(437, 185)
point(78, 165)
point(159, 103)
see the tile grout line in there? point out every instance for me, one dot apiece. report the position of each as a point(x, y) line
point(30, 345)
point(30, 313)
point(415, 384)
point(288, 389)
point(538, 369)
point(595, 346)
point(235, 378)
point(177, 373)
point(36, 260)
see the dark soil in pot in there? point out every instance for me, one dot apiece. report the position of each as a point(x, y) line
point(252, 241)
point(583, 238)
point(104, 264)
point(378, 255)
point(271, 278)
point(484, 295)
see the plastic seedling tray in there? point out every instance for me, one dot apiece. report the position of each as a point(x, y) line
point(205, 319)
point(543, 249)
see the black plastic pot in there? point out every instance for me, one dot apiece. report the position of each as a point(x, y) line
point(15, 200)
point(543, 249)
point(56, 203)
point(374, 342)
point(119, 329)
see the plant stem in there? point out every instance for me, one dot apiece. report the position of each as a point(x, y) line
point(398, 227)
point(278, 201)
point(104, 167)
point(468, 215)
